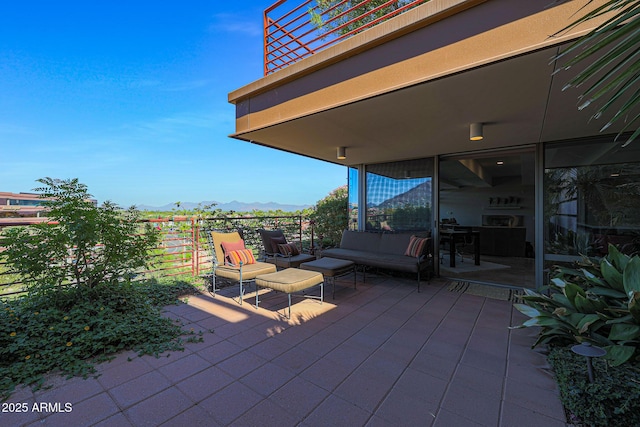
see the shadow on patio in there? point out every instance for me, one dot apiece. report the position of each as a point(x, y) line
point(382, 354)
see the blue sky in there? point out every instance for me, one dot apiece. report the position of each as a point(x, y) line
point(130, 97)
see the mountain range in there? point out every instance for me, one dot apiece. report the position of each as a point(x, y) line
point(235, 206)
point(419, 195)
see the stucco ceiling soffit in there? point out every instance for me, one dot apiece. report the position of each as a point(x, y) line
point(431, 118)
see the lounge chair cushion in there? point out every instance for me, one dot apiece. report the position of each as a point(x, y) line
point(291, 261)
point(271, 239)
point(219, 238)
point(276, 242)
point(290, 280)
point(249, 272)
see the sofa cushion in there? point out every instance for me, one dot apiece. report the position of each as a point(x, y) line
point(360, 241)
point(394, 262)
point(359, 257)
point(291, 261)
point(380, 260)
point(394, 243)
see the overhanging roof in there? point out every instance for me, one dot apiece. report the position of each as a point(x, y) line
point(517, 96)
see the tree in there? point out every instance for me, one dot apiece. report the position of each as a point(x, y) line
point(83, 244)
point(346, 16)
point(330, 216)
point(614, 76)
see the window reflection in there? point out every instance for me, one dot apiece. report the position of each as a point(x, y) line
point(592, 199)
point(399, 196)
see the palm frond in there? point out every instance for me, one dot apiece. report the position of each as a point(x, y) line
point(625, 69)
point(633, 81)
point(615, 72)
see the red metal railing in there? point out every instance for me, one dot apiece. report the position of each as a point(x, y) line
point(290, 33)
point(183, 249)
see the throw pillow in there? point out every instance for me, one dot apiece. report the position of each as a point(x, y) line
point(416, 246)
point(229, 247)
point(275, 242)
point(242, 255)
point(289, 249)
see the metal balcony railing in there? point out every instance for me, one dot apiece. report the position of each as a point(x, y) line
point(183, 247)
point(297, 29)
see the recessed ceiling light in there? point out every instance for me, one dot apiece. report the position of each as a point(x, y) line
point(499, 162)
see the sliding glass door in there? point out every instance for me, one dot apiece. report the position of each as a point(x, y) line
point(486, 217)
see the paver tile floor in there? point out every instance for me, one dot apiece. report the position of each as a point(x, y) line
point(379, 355)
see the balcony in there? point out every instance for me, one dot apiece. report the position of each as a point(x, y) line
point(297, 29)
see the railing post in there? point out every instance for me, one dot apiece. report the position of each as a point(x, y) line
point(194, 251)
point(265, 48)
point(300, 229)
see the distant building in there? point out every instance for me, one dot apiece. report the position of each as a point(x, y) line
point(22, 209)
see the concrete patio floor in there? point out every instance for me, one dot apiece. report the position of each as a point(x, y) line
point(380, 355)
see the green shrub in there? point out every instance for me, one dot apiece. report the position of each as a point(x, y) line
point(83, 245)
point(330, 216)
point(613, 399)
point(345, 17)
point(597, 302)
point(68, 330)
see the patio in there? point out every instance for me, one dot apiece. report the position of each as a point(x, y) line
point(382, 354)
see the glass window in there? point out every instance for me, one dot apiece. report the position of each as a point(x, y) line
point(21, 202)
point(399, 195)
point(353, 199)
point(592, 199)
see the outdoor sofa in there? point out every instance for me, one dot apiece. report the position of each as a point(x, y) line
point(407, 252)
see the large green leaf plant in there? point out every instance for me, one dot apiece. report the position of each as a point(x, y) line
point(598, 302)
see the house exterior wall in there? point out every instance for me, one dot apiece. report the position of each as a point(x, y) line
point(445, 52)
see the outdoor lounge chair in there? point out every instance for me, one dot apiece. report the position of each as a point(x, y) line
point(241, 273)
point(281, 253)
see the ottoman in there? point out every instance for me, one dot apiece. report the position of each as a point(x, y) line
point(332, 268)
point(289, 281)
